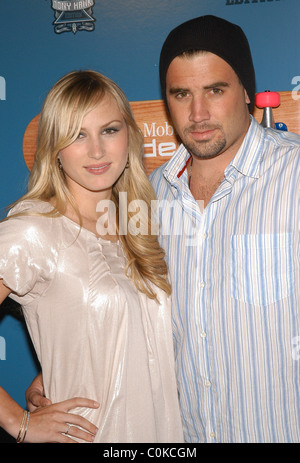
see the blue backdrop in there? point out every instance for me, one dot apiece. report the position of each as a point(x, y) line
point(125, 45)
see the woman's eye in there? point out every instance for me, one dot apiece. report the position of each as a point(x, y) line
point(110, 130)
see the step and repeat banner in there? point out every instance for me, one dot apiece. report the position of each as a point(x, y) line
point(43, 39)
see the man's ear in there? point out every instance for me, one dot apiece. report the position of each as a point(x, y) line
point(247, 99)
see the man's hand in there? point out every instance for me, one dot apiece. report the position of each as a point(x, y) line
point(35, 394)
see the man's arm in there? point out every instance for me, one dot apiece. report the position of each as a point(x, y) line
point(35, 394)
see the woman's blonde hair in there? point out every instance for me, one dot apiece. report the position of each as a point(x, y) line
point(65, 106)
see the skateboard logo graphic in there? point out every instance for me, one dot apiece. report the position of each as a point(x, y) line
point(73, 16)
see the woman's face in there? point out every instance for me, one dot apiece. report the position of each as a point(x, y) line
point(97, 158)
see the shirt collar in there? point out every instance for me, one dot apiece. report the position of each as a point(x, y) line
point(246, 161)
point(175, 169)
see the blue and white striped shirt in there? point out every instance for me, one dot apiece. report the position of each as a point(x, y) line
point(236, 292)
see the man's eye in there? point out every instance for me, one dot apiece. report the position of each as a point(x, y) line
point(181, 95)
point(216, 91)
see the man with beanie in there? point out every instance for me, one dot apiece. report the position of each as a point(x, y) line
point(229, 212)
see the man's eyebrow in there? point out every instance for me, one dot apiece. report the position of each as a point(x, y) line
point(174, 90)
point(216, 85)
point(219, 84)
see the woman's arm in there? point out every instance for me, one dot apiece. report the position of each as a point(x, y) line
point(4, 291)
point(49, 423)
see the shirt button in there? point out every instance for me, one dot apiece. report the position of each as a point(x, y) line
point(207, 384)
point(203, 334)
point(202, 284)
point(212, 434)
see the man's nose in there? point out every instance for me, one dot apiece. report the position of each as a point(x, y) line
point(199, 109)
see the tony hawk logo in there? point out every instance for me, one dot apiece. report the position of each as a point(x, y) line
point(73, 15)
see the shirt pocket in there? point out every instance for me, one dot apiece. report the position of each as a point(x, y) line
point(261, 268)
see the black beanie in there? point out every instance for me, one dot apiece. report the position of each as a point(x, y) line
point(217, 36)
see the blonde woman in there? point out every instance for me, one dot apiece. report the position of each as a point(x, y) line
point(93, 288)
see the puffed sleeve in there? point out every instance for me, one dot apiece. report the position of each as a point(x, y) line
point(27, 260)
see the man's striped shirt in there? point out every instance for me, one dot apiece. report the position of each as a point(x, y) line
point(235, 275)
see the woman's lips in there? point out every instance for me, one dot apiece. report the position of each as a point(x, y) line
point(97, 169)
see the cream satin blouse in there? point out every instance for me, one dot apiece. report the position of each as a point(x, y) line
point(95, 335)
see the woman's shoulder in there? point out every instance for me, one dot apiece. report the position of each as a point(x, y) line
point(35, 217)
point(30, 207)
point(30, 216)
point(29, 246)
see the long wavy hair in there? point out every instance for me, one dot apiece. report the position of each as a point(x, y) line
point(65, 106)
